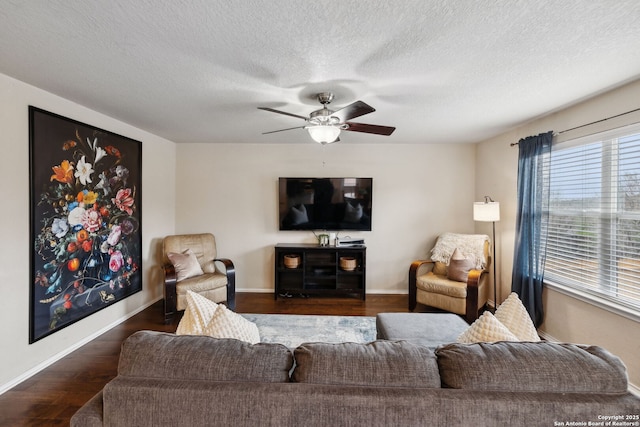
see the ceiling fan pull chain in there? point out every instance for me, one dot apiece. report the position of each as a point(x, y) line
point(324, 153)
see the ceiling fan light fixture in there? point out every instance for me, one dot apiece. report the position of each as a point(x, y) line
point(324, 125)
point(323, 134)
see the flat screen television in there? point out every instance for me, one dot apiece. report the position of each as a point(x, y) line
point(332, 204)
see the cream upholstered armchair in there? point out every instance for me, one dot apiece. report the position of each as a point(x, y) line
point(190, 264)
point(456, 277)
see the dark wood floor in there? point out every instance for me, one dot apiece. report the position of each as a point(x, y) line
point(52, 396)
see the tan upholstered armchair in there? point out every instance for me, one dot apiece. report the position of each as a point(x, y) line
point(190, 264)
point(440, 282)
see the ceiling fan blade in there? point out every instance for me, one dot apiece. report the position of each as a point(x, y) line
point(352, 111)
point(362, 127)
point(282, 112)
point(282, 130)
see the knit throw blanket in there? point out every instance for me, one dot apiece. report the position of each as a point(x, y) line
point(471, 246)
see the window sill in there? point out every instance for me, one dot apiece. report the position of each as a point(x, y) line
point(595, 301)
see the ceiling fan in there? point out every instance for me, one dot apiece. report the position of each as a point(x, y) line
point(324, 125)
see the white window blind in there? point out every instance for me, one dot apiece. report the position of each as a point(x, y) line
point(593, 230)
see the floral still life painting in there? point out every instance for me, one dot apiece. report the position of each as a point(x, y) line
point(85, 220)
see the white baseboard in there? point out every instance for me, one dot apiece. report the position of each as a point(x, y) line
point(387, 292)
point(255, 291)
point(31, 372)
point(376, 292)
point(632, 387)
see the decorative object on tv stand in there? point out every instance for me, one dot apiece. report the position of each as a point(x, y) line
point(347, 263)
point(324, 125)
point(332, 238)
point(489, 211)
point(323, 239)
point(291, 261)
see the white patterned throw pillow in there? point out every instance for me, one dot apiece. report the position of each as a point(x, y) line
point(486, 329)
point(515, 317)
point(197, 315)
point(227, 324)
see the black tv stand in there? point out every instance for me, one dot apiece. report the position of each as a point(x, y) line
point(319, 271)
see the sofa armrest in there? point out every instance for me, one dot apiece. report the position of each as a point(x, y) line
point(90, 414)
point(230, 271)
point(417, 268)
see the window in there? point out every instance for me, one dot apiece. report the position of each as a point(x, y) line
point(593, 232)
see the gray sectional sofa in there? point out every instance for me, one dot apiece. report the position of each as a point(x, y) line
point(168, 380)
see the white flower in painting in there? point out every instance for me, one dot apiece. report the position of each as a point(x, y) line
point(59, 227)
point(75, 216)
point(84, 171)
point(99, 151)
point(103, 184)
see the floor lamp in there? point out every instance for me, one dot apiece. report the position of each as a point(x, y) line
point(489, 211)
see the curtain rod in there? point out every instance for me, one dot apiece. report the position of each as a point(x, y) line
point(587, 124)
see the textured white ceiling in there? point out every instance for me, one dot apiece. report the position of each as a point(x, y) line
point(439, 71)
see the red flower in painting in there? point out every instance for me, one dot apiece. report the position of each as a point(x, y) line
point(124, 200)
point(116, 261)
point(91, 220)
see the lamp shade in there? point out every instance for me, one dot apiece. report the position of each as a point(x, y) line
point(486, 211)
point(323, 134)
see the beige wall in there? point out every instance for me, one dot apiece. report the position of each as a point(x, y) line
point(18, 358)
point(419, 191)
point(194, 188)
point(566, 318)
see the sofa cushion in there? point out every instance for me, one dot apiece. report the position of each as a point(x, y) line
point(426, 329)
point(204, 317)
point(459, 266)
point(153, 354)
point(437, 284)
point(197, 315)
point(186, 264)
point(379, 363)
point(486, 328)
point(531, 367)
point(439, 268)
point(515, 317)
point(226, 324)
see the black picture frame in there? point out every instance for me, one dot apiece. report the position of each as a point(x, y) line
point(85, 220)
